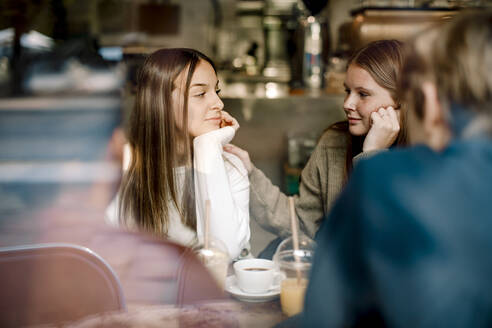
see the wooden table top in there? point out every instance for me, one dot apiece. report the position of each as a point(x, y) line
point(213, 314)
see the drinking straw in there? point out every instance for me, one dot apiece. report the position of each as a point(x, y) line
point(295, 240)
point(207, 223)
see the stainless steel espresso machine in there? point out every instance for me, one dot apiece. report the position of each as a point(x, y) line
point(297, 42)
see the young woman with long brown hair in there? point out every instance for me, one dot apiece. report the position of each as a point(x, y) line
point(176, 133)
point(373, 124)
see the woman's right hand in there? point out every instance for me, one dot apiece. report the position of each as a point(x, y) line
point(242, 154)
point(228, 120)
point(384, 129)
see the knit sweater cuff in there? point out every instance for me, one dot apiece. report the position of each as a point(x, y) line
point(366, 154)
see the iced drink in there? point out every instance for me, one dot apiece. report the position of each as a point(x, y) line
point(217, 265)
point(292, 292)
point(295, 264)
point(216, 260)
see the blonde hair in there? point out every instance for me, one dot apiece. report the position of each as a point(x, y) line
point(456, 57)
point(383, 60)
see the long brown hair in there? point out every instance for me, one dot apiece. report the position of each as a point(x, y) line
point(383, 60)
point(159, 141)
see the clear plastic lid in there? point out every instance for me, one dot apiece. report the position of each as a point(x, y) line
point(286, 257)
point(216, 250)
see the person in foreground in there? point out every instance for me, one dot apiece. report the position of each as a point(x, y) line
point(408, 242)
point(62, 198)
point(176, 133)
point(372, 108)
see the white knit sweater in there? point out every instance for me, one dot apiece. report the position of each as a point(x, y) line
point(221, 178)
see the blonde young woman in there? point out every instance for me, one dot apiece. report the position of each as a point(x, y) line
point(176, 133)
point(373, 125)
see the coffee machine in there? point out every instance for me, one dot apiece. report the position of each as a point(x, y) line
point(297, 41)
point(315, 48)
point(279, 22)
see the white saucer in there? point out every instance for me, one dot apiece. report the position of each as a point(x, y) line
point(232, 288)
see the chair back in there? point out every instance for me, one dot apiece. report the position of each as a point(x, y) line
point(55, 283)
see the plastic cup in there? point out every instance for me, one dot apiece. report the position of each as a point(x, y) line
point(295, 266)
point(292, 292)
point(216, 259)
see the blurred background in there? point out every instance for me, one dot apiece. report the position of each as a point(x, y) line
point(66, 64)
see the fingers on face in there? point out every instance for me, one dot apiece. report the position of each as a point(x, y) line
point(376, 118)
point(386, 116)
point(395, 120)
point(383, 121)
point(225, 115)
point(226, 118)
point(382, 111)
point(229, 120)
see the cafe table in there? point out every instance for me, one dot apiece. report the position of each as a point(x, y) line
point(226, 313)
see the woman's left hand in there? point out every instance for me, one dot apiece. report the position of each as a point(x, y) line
point(242, 154)
point(384, 130)
point(228, 120)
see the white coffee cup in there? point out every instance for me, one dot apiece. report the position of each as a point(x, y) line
point(256, 276)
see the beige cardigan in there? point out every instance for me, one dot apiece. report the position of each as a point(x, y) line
point(321, 181)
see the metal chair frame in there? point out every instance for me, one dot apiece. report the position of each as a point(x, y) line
point(55, 283)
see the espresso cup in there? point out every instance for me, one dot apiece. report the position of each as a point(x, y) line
point(256, 276)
